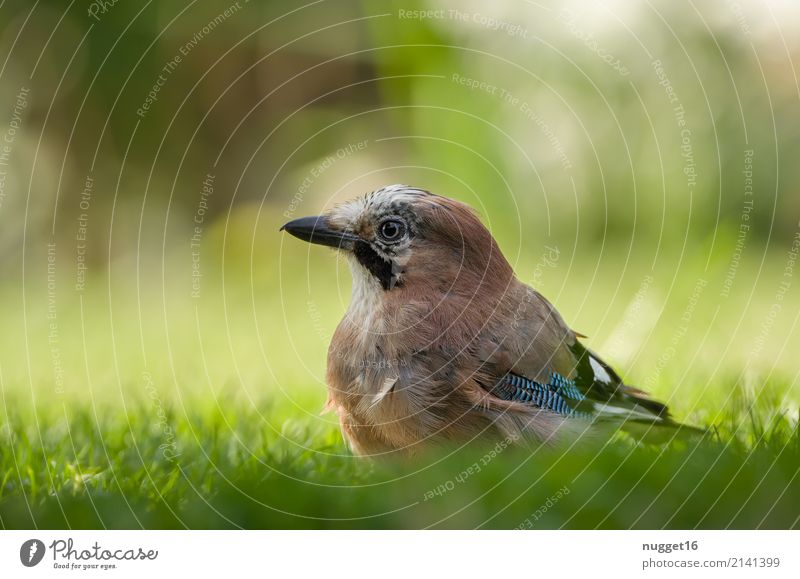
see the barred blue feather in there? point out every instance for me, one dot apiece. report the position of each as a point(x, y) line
point(552, 396)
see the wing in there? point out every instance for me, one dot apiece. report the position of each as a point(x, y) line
point(537, 360)
point(592, 391)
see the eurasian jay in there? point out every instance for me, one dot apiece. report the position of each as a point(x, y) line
point(441, 342)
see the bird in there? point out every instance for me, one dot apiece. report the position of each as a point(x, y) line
point(442, 343)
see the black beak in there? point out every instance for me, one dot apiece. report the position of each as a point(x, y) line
point(317, 229)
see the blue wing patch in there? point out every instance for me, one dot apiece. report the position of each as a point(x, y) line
point(553, 396)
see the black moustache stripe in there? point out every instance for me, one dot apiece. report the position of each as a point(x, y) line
point(375, 264)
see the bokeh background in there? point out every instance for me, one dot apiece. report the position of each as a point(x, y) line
point(637, 162)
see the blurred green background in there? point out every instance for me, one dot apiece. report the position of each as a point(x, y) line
point(163, 346)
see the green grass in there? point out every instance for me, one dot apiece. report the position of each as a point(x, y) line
point(86, 470)
point(231, 387)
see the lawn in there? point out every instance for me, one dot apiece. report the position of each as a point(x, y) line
point(82, 469)
point(154, 409)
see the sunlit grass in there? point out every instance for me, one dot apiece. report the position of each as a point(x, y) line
point(230, 469)
point(206, 413)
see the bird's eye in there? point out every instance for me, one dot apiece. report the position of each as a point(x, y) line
point(392, 230)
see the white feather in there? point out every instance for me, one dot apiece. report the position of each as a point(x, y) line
point(599, 372)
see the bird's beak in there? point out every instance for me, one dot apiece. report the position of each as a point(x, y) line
point(318, 229)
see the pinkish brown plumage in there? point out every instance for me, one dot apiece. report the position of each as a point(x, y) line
point(441, 342)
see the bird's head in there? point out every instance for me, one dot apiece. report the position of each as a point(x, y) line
point(400, 237)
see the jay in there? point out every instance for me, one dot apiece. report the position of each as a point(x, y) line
point(441, 342)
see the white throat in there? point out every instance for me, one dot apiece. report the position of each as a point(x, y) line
point(365, 299)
